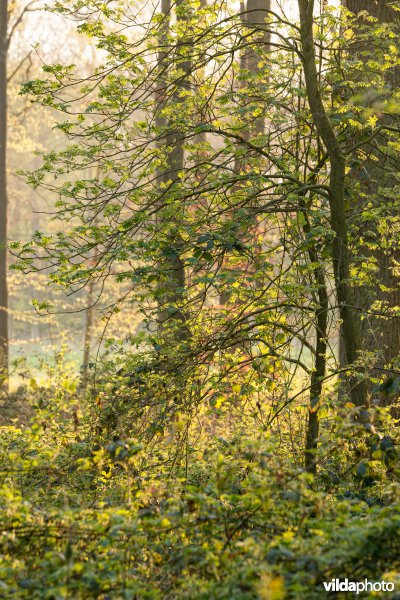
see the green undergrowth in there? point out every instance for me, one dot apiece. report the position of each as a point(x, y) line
point(225, 516)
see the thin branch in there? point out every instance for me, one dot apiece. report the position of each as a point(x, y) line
point(19, 19)
point(18, 67)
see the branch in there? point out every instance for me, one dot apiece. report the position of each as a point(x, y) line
point(19, 19)
point(17, 68)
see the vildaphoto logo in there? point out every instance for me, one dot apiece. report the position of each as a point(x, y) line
point(344, 585)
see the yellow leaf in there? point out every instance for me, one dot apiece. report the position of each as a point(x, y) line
point(271, 587)
point(288, 536)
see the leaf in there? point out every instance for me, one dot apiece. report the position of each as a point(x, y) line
point(389, 387)
point(362, 470)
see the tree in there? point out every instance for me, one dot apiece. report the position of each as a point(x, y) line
point(8, 27)
point(192, 440)
point(4, 42)
point(375, 199)
point(252, 62)
point(171, 292)
point(255, 13)
point(340, 251)
point(183, 178)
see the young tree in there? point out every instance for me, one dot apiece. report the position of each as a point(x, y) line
point(184, 174)
point(341, 256)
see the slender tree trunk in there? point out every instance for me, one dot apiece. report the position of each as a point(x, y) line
point(87, 340)
point(254, 13)
point(317, 377)
point(3, 193)
point(340, 251)
point(318, 374)
point(321, 332)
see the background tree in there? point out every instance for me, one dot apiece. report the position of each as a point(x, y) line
point(171, 293)
point(4, 42)
point(11, 17)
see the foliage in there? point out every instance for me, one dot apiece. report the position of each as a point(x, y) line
point(236, 518)
point(216, 206)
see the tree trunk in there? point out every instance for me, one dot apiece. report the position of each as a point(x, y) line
point(321, 330)
point(254, 13)
point(317, 376)
point(3, 193)
point(376, 333)
point(87, 340)
point(171, 316)
point(380, 9)
point(340, 251)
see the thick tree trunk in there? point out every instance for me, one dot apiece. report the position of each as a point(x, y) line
point(377, 334)
point(340, 252)
point(3, 193)
point(254, 13)
point(171, 316)
point(381, 9)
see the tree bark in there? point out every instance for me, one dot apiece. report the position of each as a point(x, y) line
point(378, 334)
point(340, 251)
point(321, 330)
point(380, 9)
point(317, 376)
point(254, 13)
point(171, 315)
point(4, 341)
point(87, 339)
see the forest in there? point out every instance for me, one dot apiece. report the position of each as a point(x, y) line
point(199, 299)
